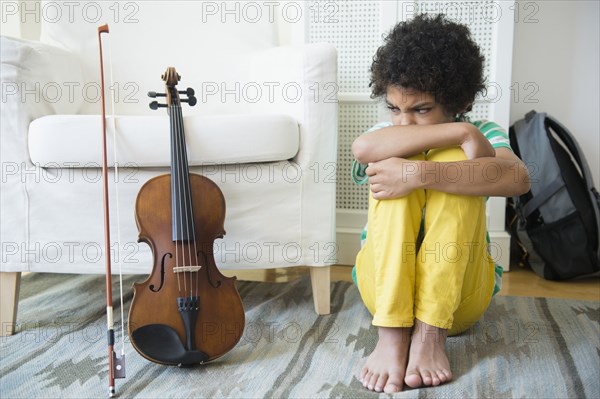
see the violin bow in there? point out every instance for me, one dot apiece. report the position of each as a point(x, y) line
point(116, 364)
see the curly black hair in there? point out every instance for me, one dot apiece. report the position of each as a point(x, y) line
point(432, 55)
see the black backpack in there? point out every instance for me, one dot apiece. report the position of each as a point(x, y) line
point(555, 226)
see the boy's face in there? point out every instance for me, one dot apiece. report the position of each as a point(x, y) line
point(412, 107)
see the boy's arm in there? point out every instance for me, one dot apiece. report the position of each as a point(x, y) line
point(503, 175)
point(407, 141)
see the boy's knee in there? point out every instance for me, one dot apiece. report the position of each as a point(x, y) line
point(450, 203)
point(447, 154)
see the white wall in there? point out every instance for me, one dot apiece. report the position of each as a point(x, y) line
point(559, 56)
point(12, 23)
point(9, 23)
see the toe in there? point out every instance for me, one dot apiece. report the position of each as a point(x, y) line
point(442, 376)
point(426, 377)
point(372, 381)
point(363, 374)
point(380, 383)
point(392, 387)
point(366, 379)
point(413, 379)
point(435, 379)
point(448, 375)
point(395, 383)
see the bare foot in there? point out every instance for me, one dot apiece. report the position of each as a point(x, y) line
point(427, 362)
point(386, 366)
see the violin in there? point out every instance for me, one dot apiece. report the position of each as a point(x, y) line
point(186, 312)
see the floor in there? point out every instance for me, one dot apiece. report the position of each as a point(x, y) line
point(522, 282)
point(517, 282)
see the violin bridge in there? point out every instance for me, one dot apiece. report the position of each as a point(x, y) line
point(184, 269)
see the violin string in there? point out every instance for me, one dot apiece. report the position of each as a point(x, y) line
point(183, 206)
point(114, 129)
point(187, 203)
point(176, 199)
point(180, 186)
point(182, 196)
point(189, 206)
point(193, 224)
point(174, 203)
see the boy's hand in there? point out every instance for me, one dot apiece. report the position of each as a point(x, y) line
point(475, 145)
point(394, 177)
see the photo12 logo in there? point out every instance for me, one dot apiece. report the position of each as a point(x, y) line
point(459, 12)
point(91, 12)
point(67, 92)
point(270, 92)
point(471, 12)
point(251, 11)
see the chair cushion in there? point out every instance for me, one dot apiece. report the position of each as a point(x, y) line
point(58, 141)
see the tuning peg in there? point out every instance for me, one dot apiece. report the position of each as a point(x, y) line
point(155, 105)
point(189, 92)
point(154, 94)
point(191, 101)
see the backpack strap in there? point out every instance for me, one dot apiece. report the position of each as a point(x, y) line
point(567, 138)
point(541, 197)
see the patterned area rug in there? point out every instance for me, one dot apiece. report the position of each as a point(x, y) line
point(523, 347)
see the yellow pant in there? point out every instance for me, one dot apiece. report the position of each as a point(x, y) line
point(448, 281)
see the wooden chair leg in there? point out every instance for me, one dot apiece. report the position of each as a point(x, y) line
point(320, 278)
point(10, 282)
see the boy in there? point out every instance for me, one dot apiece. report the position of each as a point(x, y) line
point(424, 271)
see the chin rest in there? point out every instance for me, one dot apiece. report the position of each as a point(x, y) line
point(162, 344)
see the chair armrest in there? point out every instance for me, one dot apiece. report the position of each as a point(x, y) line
point(302, 83)
point(36, 80)
point(307, 90)
point(41, 78)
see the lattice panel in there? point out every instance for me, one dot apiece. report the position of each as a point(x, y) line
point(480, 111)
point(354, 120)
point(353, 28)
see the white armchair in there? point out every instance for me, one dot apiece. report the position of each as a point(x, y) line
point(264, 129)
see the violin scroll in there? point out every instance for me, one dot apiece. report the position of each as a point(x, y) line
point(171, 78)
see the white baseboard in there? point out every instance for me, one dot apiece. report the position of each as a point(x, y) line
point(500, 248)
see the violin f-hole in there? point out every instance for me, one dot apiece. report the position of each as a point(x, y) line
point(162, 273)
point(203, 255)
